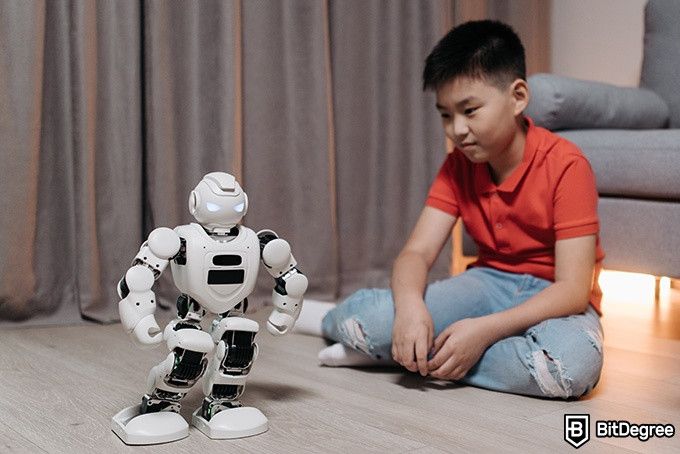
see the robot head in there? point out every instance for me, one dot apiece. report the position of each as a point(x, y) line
point(218, 202)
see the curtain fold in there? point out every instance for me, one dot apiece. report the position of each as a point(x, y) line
point(73, 161)
point(188, 105)
point(112, 111)
point(104, 92)
point(285, 115)
point(22, 33)
point(388, 134)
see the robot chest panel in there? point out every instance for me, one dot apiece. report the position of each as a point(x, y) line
point(219, 274)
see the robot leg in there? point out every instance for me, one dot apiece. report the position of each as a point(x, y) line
point(222, 415)
point(157, 419)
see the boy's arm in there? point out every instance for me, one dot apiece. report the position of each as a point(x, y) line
point(461, 345)
point(568, 295)
point(409, 274)
point(413, 329)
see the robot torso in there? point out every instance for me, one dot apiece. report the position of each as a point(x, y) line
point(218, 273)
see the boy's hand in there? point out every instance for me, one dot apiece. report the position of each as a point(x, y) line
point(412, 337)
point(458, 348)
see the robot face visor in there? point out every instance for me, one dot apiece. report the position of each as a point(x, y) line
point(217, 209)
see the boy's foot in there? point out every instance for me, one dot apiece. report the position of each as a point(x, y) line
point(341, 355)
point(311, 316)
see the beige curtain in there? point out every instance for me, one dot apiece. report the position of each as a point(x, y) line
point(70, 191)
point(111, 111)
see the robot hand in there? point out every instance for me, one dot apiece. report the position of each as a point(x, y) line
point(291, 284)
point(138, 305)
point(287, 305)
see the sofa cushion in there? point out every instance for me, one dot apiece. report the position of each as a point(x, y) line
point(559, 103)
point(661, 56)
point(636, 164)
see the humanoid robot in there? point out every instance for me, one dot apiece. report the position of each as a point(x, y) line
point(214, 264)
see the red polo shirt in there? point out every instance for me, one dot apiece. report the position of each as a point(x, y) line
point(550, 196)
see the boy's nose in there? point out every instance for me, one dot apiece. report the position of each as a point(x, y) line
point(460, 129)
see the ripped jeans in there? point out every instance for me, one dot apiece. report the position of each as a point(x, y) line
point(559, 358)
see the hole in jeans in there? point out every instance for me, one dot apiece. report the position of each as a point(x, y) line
point(549, 375)
point(355, 335)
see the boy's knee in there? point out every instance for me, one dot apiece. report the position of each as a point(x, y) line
point(369, 300)
point(558, 377)
point(363, 321)
point(360, 295)
point(585, 369)
point(568, 371)
point(356, 303)
point(355, 335)
point(364, 336)
point(549, 374)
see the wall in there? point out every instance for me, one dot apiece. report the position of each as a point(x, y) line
point(598, 39)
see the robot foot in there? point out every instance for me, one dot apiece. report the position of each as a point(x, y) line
point(149, 428)
point(238, 422)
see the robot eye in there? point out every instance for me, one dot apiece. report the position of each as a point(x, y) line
point(212, 207)
point(239, 208)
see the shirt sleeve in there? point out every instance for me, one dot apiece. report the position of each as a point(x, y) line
point(575, 201)
point(442, 193)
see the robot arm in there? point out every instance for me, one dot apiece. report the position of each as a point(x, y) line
point(138, 301)
point(291, 284)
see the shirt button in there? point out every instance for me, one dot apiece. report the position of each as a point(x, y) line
point(499, 225)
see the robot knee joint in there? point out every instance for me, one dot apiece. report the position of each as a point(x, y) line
point(241, 351)
point(188, 367)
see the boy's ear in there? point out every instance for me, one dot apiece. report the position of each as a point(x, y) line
point(519, 90)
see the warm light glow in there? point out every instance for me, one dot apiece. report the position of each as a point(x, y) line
point(665, 288)
point(631, 288)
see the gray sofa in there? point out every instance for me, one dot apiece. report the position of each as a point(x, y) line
point(637, 169)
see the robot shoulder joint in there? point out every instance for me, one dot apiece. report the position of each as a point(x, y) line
point(265, 236)
point(164, 243)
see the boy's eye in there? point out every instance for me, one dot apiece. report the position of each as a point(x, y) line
point(470, 110)
point(445, 115)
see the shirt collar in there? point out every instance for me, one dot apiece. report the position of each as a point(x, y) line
point(483, 182)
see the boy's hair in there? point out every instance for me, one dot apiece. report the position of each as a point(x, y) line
point(484, 49)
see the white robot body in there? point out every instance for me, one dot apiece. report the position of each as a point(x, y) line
point(214, 265)
point(218, 273)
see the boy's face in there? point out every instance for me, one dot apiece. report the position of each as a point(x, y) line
point(479, 117)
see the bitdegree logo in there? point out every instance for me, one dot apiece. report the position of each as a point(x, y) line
point(577, 430)
point(625, 429)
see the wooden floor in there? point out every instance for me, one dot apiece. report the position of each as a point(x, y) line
point(59, 387)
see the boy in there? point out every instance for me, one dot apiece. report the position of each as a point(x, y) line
point(524, 318)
